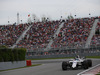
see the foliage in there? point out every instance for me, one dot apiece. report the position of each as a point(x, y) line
point(98, 73)
point(8, 54)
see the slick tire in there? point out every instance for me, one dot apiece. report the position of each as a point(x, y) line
point(89, 63)
point(85, 64)
point(64, 65)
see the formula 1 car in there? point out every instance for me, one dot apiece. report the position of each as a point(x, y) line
point(77, 63)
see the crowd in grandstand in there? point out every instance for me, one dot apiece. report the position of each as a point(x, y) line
point(74, 33)
point(39, 35)
point(96, 38)
point(10, 33)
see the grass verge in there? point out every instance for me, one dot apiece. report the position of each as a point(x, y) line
point(21, 67)
point(98, 73)
point(97, 57)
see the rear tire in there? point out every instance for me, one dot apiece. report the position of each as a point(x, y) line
point(64, 65)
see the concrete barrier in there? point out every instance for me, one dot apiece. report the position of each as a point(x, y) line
point(11, 65)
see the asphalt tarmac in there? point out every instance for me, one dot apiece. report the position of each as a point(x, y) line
point(48, 67)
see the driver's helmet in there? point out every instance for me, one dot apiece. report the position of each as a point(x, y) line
point(77, 57)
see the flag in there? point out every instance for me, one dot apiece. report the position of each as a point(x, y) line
point(29, 15)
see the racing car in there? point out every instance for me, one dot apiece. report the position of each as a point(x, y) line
point(77, 63)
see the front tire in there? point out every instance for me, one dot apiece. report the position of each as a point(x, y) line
point(90, 63)
point(64, 65)
point(85, 64)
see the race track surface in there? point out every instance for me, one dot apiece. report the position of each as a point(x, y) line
point(50, 67)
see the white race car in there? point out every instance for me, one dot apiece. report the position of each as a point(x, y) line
point(77, 63)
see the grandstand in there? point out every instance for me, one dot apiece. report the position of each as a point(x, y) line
point(52, 35)
point(96, 38)
point(10, 33)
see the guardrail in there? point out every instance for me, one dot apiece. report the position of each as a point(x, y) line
point(54, 53)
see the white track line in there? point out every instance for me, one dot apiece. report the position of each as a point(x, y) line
point(87, 70)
